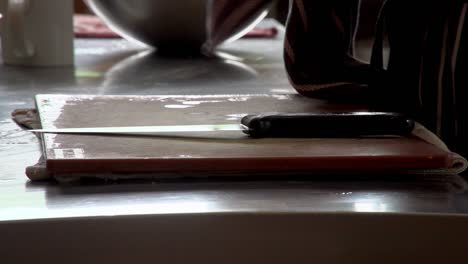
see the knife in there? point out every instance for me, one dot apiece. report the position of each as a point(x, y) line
point(348, 124)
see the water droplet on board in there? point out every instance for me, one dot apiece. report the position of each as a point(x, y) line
point(178, 106)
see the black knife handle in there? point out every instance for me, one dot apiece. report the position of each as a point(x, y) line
point(350, 124)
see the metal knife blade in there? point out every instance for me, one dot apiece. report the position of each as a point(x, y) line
point(142, 130)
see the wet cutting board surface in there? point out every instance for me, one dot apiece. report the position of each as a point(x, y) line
point(214, 152)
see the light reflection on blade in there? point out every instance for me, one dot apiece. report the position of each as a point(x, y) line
point(145, 130)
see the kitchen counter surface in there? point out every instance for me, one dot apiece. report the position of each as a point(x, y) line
point(252, 66)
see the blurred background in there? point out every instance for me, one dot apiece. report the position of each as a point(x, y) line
point(369, 12)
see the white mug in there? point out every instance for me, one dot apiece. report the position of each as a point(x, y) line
point(37, 32)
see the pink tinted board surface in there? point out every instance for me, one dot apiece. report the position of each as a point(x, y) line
point(213, 153)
